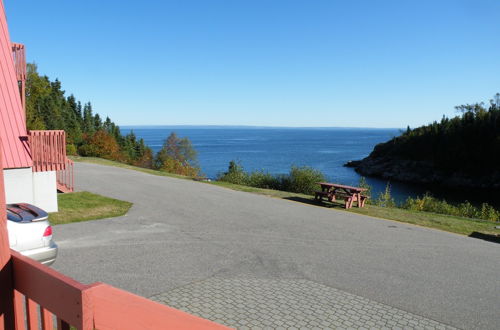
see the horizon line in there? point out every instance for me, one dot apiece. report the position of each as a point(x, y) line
point(254, 126)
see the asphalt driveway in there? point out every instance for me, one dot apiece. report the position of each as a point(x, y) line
point(180, 233)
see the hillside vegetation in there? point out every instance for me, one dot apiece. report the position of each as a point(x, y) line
point(460, 151)
point(88, 134)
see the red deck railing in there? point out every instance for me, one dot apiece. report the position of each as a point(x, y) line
point(48, 151)
point(65, 177)
point(42, 296)
point(19, 55)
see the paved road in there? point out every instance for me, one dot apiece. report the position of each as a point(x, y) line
point(183, 237)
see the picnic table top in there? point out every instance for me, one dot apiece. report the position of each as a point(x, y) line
point(335, 185)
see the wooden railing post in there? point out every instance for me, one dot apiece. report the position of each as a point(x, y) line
point(6, 284)
point(19, 55)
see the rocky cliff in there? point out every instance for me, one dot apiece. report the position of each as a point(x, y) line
point(422, 172)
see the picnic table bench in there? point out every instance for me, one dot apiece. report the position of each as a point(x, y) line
point(332, 191)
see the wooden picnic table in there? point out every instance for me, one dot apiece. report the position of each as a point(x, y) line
point(332, 191)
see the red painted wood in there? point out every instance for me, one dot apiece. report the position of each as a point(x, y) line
point(48, 150)
point(19, 310)
point(32, 314)
point(12, 122)
point(51, 290)
point(335, 185)
point(19, 55)
point(4, 237)
point(353, 193)
point(65, 178)
point(47, 322)
point(117, 309)
point(7, 320)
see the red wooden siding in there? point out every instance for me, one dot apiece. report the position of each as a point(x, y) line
point(12, 122)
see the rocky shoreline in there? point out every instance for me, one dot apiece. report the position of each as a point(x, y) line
point(421, 172)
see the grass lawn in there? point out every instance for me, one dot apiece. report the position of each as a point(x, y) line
point(458, 225)
point(83, 206)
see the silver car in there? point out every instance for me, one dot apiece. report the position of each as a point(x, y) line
point(30, 232)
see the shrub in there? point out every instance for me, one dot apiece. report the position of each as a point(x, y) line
point(235, 174)
point(413, 204)
point(489, 213)
point(264, 180)
point(71, 149)
point(175, 166)
point(363, 184)
point(100, 144)
point(302, 180)
point(467, 210)
point(428, 203)
point(385, 198)
point(144, 160)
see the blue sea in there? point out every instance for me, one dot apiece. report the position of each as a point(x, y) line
point(275, 150)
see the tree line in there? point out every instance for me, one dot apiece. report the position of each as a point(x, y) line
point(467, 143)
point(88, 134)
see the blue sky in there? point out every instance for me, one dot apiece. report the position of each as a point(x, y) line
point(272, 63)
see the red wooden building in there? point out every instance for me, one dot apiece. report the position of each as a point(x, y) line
point(35, 162)
point(33, 296)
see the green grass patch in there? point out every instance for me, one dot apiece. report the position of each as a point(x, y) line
point(454, 224)
point(84, 206)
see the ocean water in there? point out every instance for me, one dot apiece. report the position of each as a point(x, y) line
point(275, 150)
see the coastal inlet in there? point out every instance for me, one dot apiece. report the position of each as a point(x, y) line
point(275, 150)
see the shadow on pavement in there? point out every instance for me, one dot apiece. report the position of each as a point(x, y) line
point(312, 201)
point(486, 237)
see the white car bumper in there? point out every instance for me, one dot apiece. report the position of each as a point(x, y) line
point(46, 255)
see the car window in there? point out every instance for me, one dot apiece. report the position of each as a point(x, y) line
point(13, 217)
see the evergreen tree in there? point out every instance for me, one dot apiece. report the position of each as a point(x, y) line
point(37, 89)
point(97, 122)
point(88, 119)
